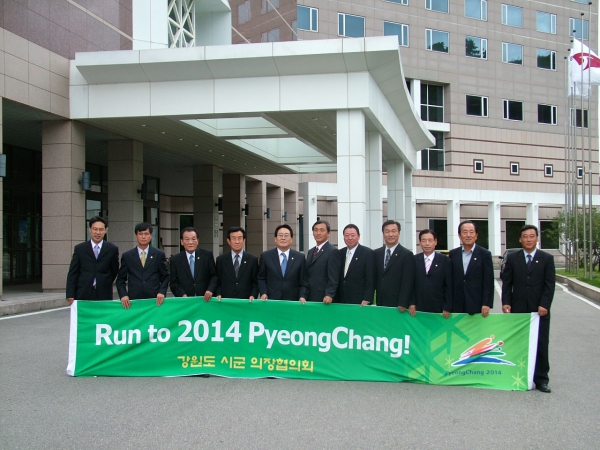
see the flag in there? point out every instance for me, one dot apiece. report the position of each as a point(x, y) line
point(584, 68)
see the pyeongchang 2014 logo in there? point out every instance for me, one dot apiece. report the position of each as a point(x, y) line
point(484, 352)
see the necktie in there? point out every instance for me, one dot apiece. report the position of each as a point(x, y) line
point(388, 255)
point(283, 263)
point(143, 258)
point(96, 253)
point(236, 265)
point(427, 264)
point(315, 253)
point(347, 264)
point(528, 261)
point(192, 264)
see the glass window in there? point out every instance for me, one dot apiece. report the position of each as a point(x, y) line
point(546, 59)
point(270, 36)
point(513, 233)
point(351, 26)
point(268, 6)
point(440, 226)
point(548, 170)
point(512, 53)
point(396, 29)
point(432, 103)
point(400, 2)
point(513, 110)
point(575, 28)
point(547, 114)
point(475, 47)
point(514, 168)
point(476, 9)
point(576, 118)
point(244, 12)
point(308, 18)
point(437, 5)
point(547, 238)
point(477, 106)
point(512, 15)
point(433, 158)
point(546, 22)
point(437, 41)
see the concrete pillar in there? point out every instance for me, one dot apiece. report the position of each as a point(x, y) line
point(290, 206)
point(396, 185)
point(408, 236)
point(494, 228)
point(532, 214)
point(256, 198)
point(63, 200)
point(415, 95)
point(275, 203)
point(125, 204)
point(206, 212)
point(234, 198)
point(372, 236)
point(453, 216)
point(352, 202)
point(308, 191)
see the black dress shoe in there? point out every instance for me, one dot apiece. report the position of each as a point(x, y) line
point(543, 388)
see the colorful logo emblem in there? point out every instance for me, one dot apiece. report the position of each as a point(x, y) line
point(484, 352)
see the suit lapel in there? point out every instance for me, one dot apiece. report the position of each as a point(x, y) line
point(393, 257)
point(318, 254)
point(421, 263)
point(474, 256)
point(90, 250)
point(355, 256)
point(290, 262)
point(243, 264)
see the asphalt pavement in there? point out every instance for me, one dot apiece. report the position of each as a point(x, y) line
point(42, 408)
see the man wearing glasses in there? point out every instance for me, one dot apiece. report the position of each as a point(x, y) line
point(282, 272)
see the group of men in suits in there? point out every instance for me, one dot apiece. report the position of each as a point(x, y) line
point(389, 276)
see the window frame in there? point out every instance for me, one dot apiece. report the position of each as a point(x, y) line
point(310, 18)
point(482, 41)
point(553, 114)
point(551, 167)
point(484, 105)
point(505, 8)
point(344, 15)
point(552, 22)
point(552, 59)
point(480, 162)
point(482, 11)
point(425, 88)
point(585, 119)
point(514, 168)
point(430, 2)
point(429, 38)
point(586, 28)
point(435, 148)
point(506, 110)
point(403, 26)
point(505, 45)
point(398, 2)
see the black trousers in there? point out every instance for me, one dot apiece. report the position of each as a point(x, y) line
point(542, 363)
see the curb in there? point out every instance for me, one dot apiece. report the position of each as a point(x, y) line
point(591, 292)
point(21, 307)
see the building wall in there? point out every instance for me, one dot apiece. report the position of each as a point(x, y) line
point(262, 20)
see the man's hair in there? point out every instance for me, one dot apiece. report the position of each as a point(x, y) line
point(467, 221)
point(187, 230)
point(235, 230)
point(390, 222)
point(351, 225)
point(286, 226)
point(318, 222)
point(95, 219)
point(143, 227)
point(427, 231)
point(529, 227)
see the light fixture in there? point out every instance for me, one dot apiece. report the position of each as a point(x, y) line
point(246, 209)
point(143, 191)
point(285, 216)
point(84, 181)
point(268, 213)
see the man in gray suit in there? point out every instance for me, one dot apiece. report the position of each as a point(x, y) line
point(323, 264)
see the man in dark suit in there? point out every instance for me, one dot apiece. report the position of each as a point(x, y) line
point(323, 265)
point(282, 271)
point(394, 268)
point(433, 281)
point(94, 266)
point(528, 283)
point(193, 272)
point(143, 272)
point(357, 285)
point(472, 274)
point(237, 270)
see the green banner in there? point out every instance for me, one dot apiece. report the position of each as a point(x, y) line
point(236, 338)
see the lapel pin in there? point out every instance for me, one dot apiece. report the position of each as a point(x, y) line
point(436, 265)
point(357, 259)
point(292, 257)
point(151, 257)
point(475, 259)
point(536, 262)
point(244, 262)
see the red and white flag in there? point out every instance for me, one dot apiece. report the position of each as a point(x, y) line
point(584, 68)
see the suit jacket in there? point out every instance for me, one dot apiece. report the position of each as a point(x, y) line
point(85, 268)
point(433, 290)
point(358, 284)
point(183, 282)
point(395, 283)
point(323, 272)
point(475, 288)
point(292, 286)
point(524, 289)
point(245, 285)
point(139, 282)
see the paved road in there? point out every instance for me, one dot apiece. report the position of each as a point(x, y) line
point(42, 408)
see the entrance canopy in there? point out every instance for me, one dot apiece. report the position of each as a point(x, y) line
point(268, 108)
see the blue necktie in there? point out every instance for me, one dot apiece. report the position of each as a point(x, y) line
point(283, 263)
point(528, 261)
point(192, 264)
point(236, 265)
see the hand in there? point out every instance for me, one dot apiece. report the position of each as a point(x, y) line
point(250, 299)
point(364, 303)
point(125, 302)
point(219, 297)
point(542, 311)
point(327, 299)
point(184, 295)
point(485, 311)
point(302, 300)
point(506, 309)
point(70, 300)
point(160, 298)
point(446, 314)
point(412, 310)
point(207, 296)
point(401, 309)
point(264, 297)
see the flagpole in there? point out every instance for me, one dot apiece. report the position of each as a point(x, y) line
point(584, 236)
point(590, 171)
point(567, 160)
